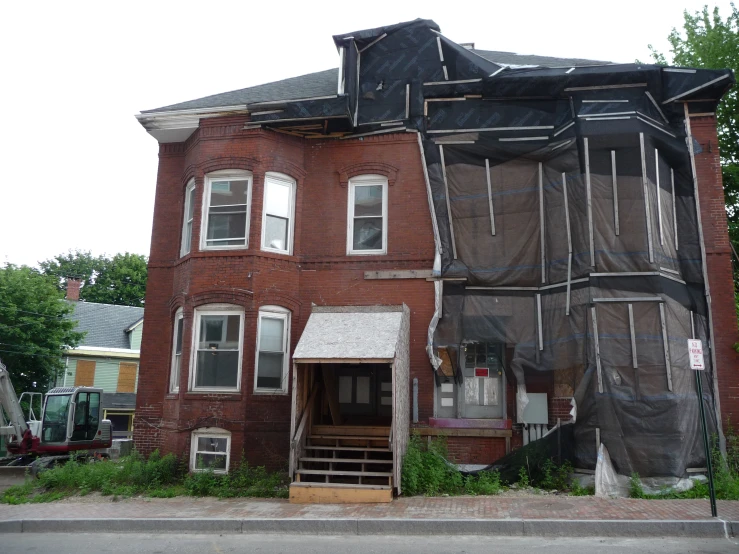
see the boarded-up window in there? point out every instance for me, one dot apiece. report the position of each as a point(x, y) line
point(85, 375)
point(126, 377)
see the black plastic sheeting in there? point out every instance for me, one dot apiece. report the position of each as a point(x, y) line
point(565, 205)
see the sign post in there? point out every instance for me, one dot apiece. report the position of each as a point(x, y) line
point(695, 352)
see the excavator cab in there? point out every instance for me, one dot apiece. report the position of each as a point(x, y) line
point(71, 420)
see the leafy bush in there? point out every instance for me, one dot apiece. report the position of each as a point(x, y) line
point(555, 477)
point(243, 481)
point(426, 472)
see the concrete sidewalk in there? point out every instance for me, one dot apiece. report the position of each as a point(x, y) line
point(546, 515)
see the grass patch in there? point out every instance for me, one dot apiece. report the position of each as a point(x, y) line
point(427, 472)
point(155, 477)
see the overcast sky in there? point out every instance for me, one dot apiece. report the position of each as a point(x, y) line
point(78, 171)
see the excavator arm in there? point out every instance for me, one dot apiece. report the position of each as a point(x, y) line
point(12, 421)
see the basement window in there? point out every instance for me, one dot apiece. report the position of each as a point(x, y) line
point(188, 218)
point(210, 449)
point(226, 206)
point(277, 217)
point(367, 218)
point(217, 349)
point(273, 339)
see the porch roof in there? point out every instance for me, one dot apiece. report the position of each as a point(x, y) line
point(350, 333)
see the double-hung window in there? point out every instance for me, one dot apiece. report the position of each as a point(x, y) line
point(218, 343)
point(210, 449)
point(367, 218)
point(187, 218)
point(277, 216)
point(226, 209)
point(273, 340)
point(174, 378)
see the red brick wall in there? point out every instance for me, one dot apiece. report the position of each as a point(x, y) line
point(475, 450)
point(718, 262)
point(319, 272)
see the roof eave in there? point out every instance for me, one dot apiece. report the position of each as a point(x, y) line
point(178, 125)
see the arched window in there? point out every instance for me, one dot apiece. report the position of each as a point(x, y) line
point(174, 377)
point(187, 218)
point(217, 348)
point(367, 217)
point(278, 214)
point(273, 350)
point(210, 449)
point(226, 208)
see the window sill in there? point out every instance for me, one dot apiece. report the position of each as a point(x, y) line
point(206, 395)
point(269, 392)
point(367, 253)
point(461, 423)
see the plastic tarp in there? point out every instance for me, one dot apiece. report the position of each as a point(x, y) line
point(568, 232)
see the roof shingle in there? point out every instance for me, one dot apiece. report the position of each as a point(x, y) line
point(105, 324)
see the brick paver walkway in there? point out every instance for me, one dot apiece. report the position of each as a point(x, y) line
point(492, 507)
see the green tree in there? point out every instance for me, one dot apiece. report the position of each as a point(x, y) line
point(708, 41)
point(79, 265)
point(118, 280)
point(122, 281)
point(34, 332)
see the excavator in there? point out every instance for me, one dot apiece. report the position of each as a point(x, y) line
point(70, 423)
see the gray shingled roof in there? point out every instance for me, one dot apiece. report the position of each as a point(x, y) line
point(324, 83)
point(104, 324)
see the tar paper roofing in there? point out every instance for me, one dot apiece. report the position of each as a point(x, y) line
point(105, 325)
point(350, 333)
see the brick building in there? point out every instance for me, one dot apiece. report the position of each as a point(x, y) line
point(307, 293)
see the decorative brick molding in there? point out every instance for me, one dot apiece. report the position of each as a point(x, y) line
point(234, 162)
point(238, 297)
point(368, 168)
point(288, 168)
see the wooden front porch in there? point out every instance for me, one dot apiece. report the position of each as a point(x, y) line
point(344, 463)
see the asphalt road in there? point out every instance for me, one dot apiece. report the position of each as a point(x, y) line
point(59, 543)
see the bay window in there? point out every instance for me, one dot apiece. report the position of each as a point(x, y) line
point(174, 379)
point(272, 357)
point(226, 207)
point(188, 218)
point(218, 347)
point(277, 216)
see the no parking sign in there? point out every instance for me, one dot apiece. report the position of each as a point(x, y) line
point(695, 351)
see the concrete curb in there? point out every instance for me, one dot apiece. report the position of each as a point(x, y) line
point(495, 527)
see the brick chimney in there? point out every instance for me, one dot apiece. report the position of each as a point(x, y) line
point(73, 289)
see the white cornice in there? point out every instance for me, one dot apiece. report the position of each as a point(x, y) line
point(178, 125)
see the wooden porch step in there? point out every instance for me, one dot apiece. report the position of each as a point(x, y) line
point(347, 448)
point(352, 430)
point(339, 493)
point(348, 438)
point(347, 460)
point(344, 473)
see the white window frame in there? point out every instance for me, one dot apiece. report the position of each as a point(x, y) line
point(174, 371)
point(207, 432)
point(215, 309)
point(221, 175)
point(364, 180)
point(285, 180)
point(186, 240)
point(273, 312)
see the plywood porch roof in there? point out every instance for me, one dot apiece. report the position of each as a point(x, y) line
point(336, 333)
